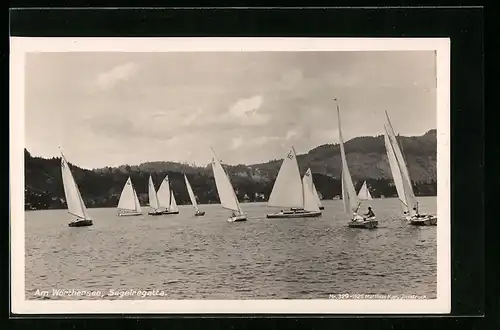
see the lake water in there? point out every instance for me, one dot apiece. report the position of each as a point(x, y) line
point(190, 257)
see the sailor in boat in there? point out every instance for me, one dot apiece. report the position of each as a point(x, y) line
point(369, 214)
point(418, 215)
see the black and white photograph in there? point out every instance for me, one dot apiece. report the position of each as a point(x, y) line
point(230, 175)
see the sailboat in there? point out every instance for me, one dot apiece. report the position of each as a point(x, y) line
point(74, 201)
point(128, 205)
point(226, 192)
point(314, 190)
point(292, 192)
point(364, 193)
point(192, 197)
point(153, 199)
point(402, 180)
point(349, 197)
point(166, 197)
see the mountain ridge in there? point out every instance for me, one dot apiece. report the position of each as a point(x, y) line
point(366, 159)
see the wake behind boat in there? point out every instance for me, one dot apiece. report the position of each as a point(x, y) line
point(226, 192)
point(292, 192)
point(402, 180)
point(349, 197)
point(74, 201)
point(129, 205)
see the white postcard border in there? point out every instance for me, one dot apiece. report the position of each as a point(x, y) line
point(19, 46)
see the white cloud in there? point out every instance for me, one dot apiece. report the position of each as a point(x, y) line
point(291, 134)
point(119, 73)
point(237, 142)
point(245, 111)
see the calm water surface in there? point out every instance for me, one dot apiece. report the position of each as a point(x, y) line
point(208, 258)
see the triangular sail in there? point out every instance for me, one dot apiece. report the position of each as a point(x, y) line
point(410, 200)
point(316, 196)
point(225, 189)
point(364, 193)
point(350, 199)
point(164, 194)
point(74, 200)
point(192, 197)
point(287, 190)
point(153, 197)
point(173, 203)
point(128, 197)
point(310, 202)
point(137, 204)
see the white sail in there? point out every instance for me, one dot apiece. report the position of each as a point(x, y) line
point(153, 198)
point(396, 172)
point(287, 190)
point(407, 196)
point(164, 194)
point(173, 203)
point(225, 190)
point(74, 200)
point(128, 197)
point(192, 197)
point(316, 196)
point(364, 193)
point(350, 199)
point(137, 204)
point(310, 202)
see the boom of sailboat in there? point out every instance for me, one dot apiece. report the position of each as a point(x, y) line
point(296, 197)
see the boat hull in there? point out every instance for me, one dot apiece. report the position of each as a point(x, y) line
point(170, 212)
point(427, 221)
point(81, 223)
point(237, 218)
point(131, 214)
point(293, 214)
point(369, 224)
point(200, 214)
point(155, 213)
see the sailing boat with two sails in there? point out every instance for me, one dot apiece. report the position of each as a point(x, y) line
point(226, 192)
point(166, 198)
point(349, 197)
point(364, 193)
point(402, 180)
point(154, 203)
point(192, 197)
point(292, 192)
point(128, 204)
point(74, 201)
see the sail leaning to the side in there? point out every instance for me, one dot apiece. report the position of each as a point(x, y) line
point(349, 196)
point(192, 197)
point(74, 200)
point(225, 189)
point(364, 193)
point(399, 169)
point(316, 196)
point(288, 189)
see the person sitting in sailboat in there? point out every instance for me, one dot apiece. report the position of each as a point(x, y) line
point(418, 215)
point(370, 213)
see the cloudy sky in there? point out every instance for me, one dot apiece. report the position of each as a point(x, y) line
point(109, 109)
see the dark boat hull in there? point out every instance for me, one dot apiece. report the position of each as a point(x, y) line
point(200, 214)
point(170, 212)
point(81, 223)
point(288, 214)
point(321, 207)
point(155, 213)
point(368, 224)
